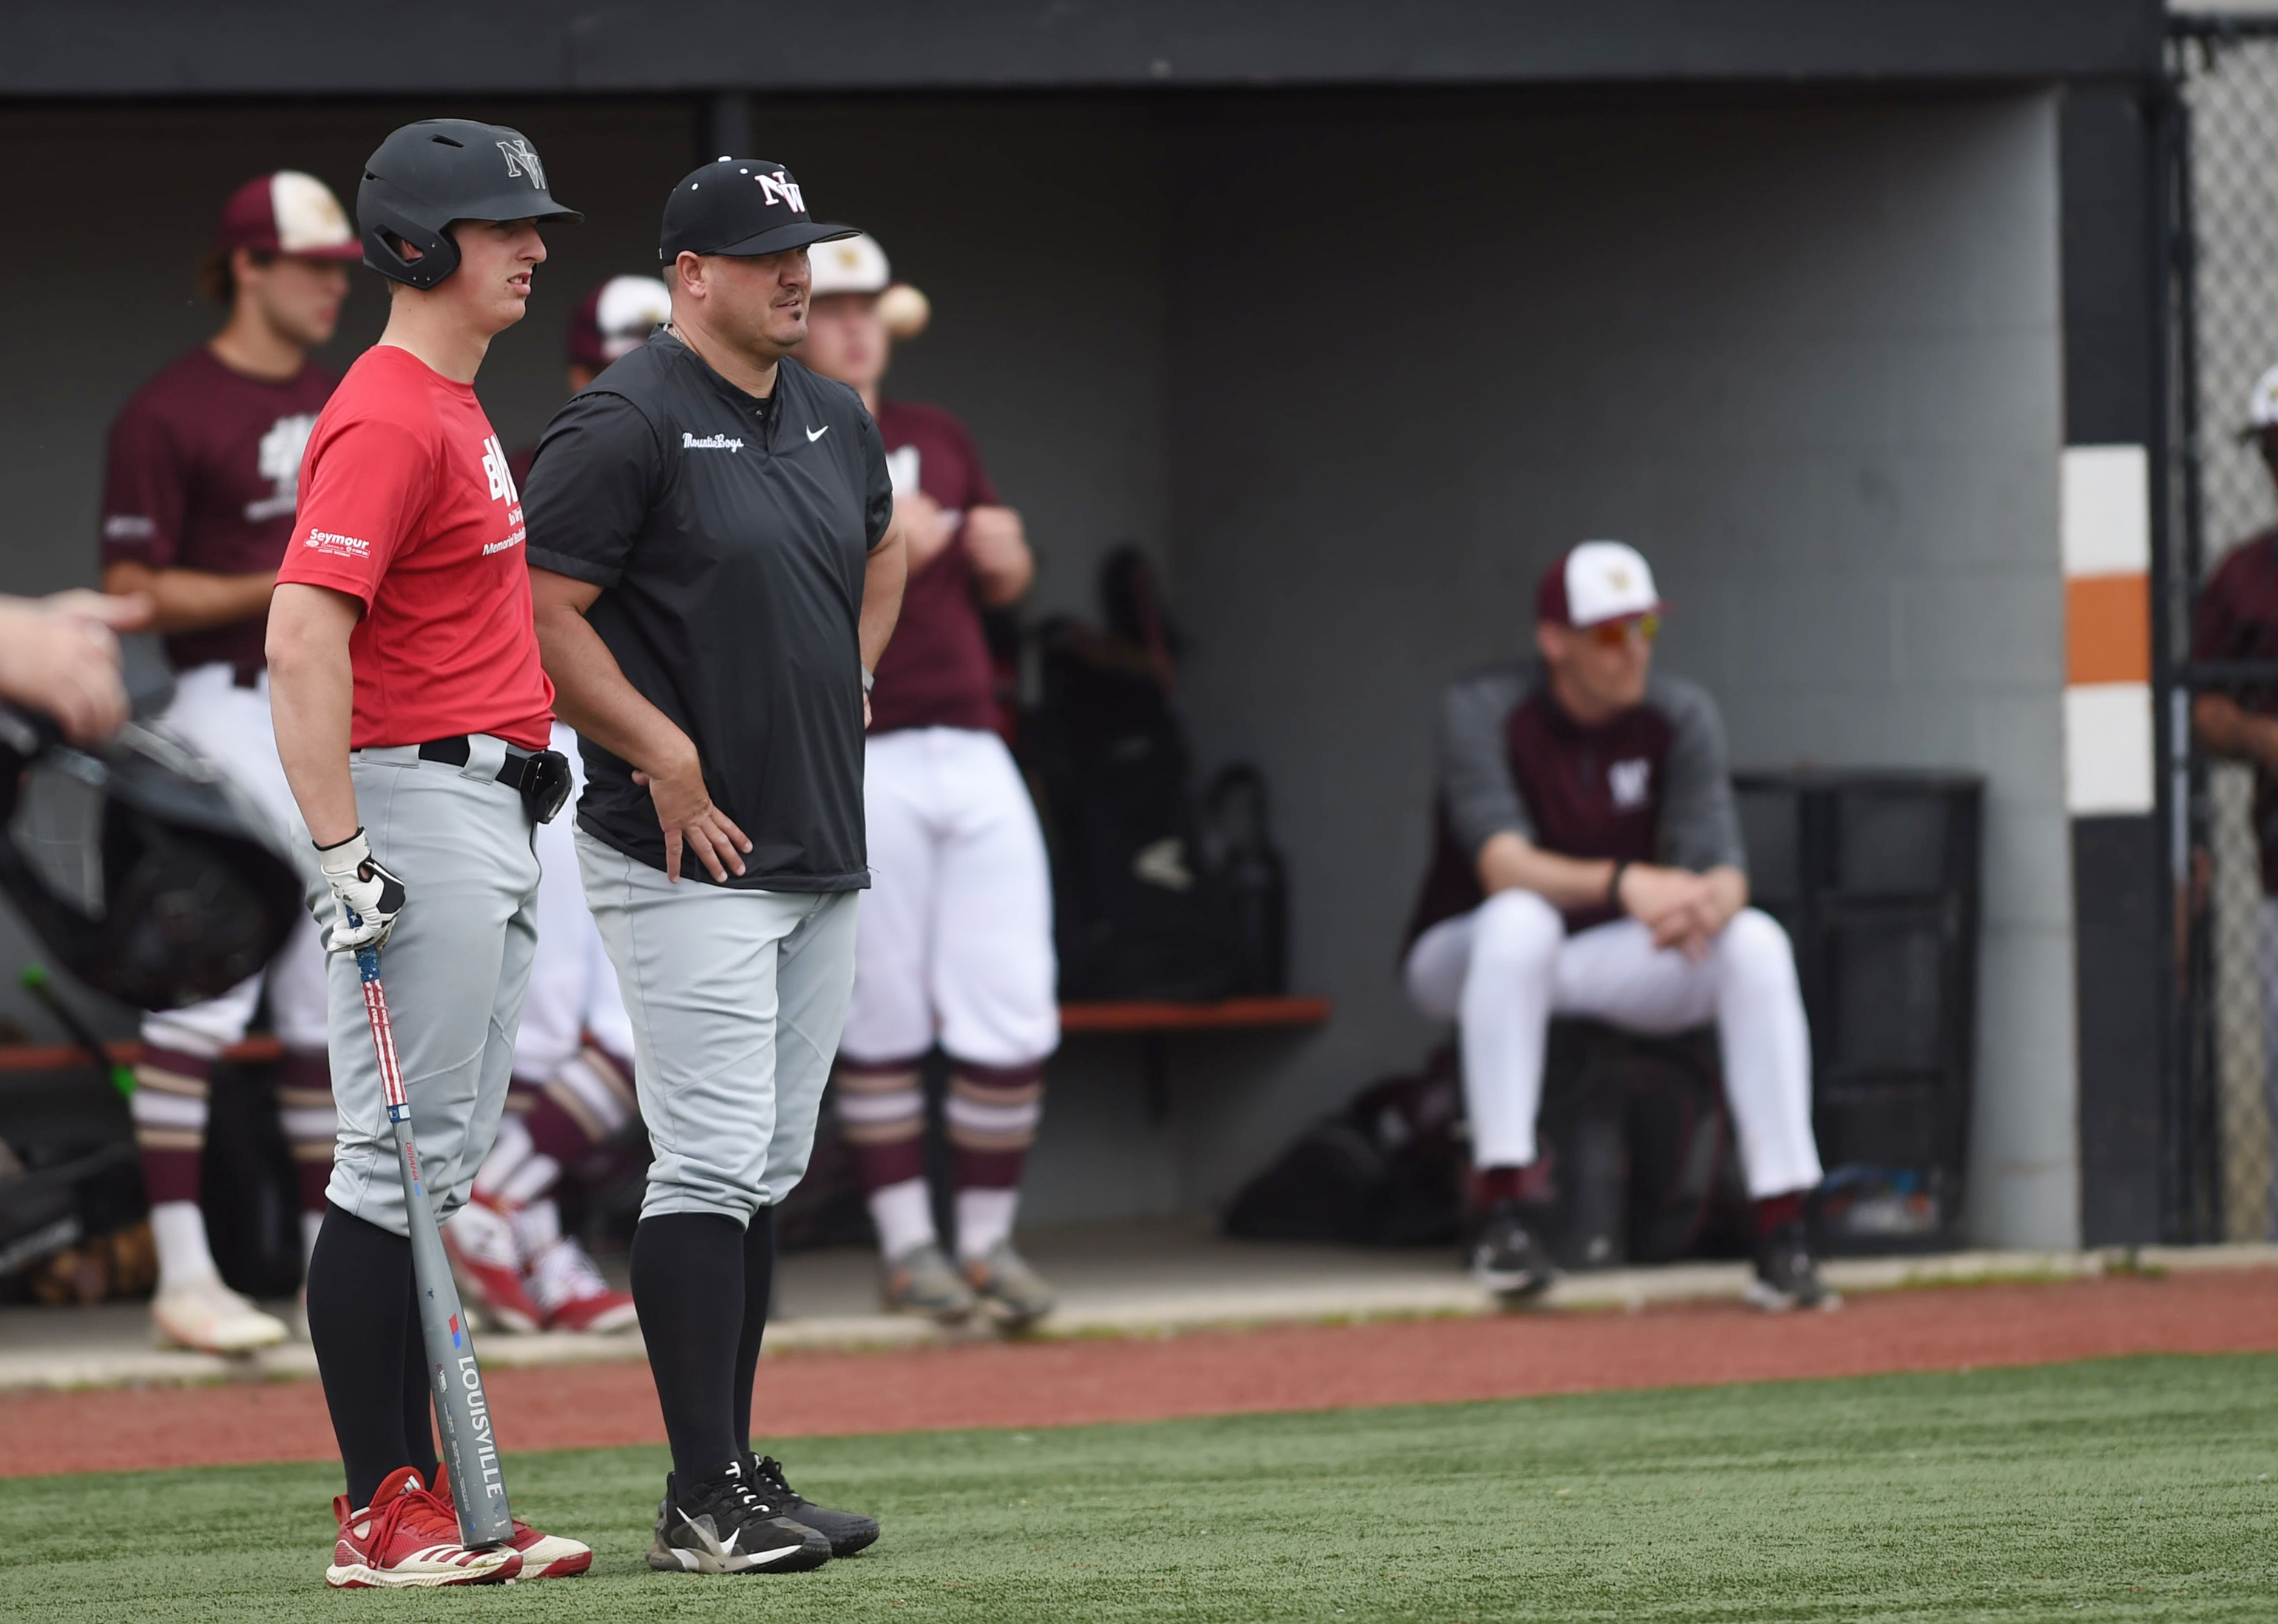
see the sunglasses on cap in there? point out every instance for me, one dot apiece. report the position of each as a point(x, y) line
point(1613, 634)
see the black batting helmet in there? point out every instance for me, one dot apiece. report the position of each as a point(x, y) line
point(146, 873)
point(437, 170)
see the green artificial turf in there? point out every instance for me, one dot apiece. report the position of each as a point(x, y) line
point(2133, 1489)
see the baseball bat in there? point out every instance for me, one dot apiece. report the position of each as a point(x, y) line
point(470, 1446)
point(37, 982)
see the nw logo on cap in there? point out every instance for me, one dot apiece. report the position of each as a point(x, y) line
point(521, 159)
point(781, 188)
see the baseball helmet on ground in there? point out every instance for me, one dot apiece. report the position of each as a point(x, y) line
point(430, 173)
point(146, 873)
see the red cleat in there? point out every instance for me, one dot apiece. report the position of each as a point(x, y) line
point(487, 1259)
point(564, 1283)
point(544, 1556)
point(409, 1539)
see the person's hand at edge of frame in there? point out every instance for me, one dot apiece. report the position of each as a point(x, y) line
point(59, 656)
point(692, 823)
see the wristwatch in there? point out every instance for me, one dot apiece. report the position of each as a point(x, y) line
point(869, 679)
point(1614, 883)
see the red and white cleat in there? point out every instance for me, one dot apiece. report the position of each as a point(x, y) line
point(544, 1556)
point(487, 1259)
point(564, 1282)
point(409, 1539)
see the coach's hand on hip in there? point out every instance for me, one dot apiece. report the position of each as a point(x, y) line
point(691, 822)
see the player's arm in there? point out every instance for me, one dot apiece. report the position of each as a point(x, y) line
point(883, 578)
point(997, 543)
point(592, 694)
point(191, 599)
point(145, 507)
point(313, 703)
point(2229, 728)
point(597, 470)
point(995, 539)
point(893, 555)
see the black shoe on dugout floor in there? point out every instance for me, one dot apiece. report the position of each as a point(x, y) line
point(1506, 1257)
point(848, 1531)
point(729, 1525)
point(1787, 1276)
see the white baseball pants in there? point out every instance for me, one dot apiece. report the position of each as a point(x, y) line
point(956, 937)
point(230, 727)
point(1506, 967)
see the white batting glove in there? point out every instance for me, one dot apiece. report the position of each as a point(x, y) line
point(367, 896)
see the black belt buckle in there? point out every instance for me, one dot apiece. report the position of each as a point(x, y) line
point(545, 784)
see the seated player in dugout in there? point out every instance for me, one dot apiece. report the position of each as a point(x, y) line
point(956, 939)
point(1589, 863)
point(571, 1122)
point(2236, 618)
point(201, 472)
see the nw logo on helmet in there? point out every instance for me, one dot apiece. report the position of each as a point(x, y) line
point(521, 159)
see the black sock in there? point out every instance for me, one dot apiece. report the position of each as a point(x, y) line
point(758, 1287)
point(418, 1397)
point(359, 1301)
point(688, 1281)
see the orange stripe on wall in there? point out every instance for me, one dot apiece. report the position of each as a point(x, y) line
point(2108, 629)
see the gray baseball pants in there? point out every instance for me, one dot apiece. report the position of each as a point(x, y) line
point(736, 999)
point(455, 967)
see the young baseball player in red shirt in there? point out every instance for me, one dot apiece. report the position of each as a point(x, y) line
point(570, 1112)
point(413, 716)
point(956, 943)
point(202, 470)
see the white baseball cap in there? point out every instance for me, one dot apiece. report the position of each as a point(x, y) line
point(1594, 582)
point(2261, 406)
point(852, 264)
point(615, 319)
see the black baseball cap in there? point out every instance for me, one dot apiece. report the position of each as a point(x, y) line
point(745, 207)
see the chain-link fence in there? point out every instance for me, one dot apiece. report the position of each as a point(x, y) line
point(2222, 629)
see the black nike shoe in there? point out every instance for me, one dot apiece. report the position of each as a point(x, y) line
point(1787, 1276)
point(728, 1525)
point(848, 1531)
point(1507, 1259)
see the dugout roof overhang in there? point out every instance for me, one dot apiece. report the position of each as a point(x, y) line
point(97, 49)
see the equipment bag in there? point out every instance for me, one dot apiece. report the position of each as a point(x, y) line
point(1138, 914)
point(1385, 1171)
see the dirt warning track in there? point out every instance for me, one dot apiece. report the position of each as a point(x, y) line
point(1292, 1368)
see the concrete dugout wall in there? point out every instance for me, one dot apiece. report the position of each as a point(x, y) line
point(1355, 368)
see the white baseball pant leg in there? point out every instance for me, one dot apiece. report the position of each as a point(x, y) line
point(956, 934)
point(1505, 969)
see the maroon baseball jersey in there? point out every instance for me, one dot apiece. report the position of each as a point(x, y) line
point(1649, 786)
point(2236, 618)
point(202, 472)
point(935, 672)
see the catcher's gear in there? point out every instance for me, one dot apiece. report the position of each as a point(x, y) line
point(367, 896)
point(146, 873)
point(428, 174)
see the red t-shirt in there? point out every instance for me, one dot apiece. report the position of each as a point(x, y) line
point(202, 473)
point(407, 506)
point(935, 671)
